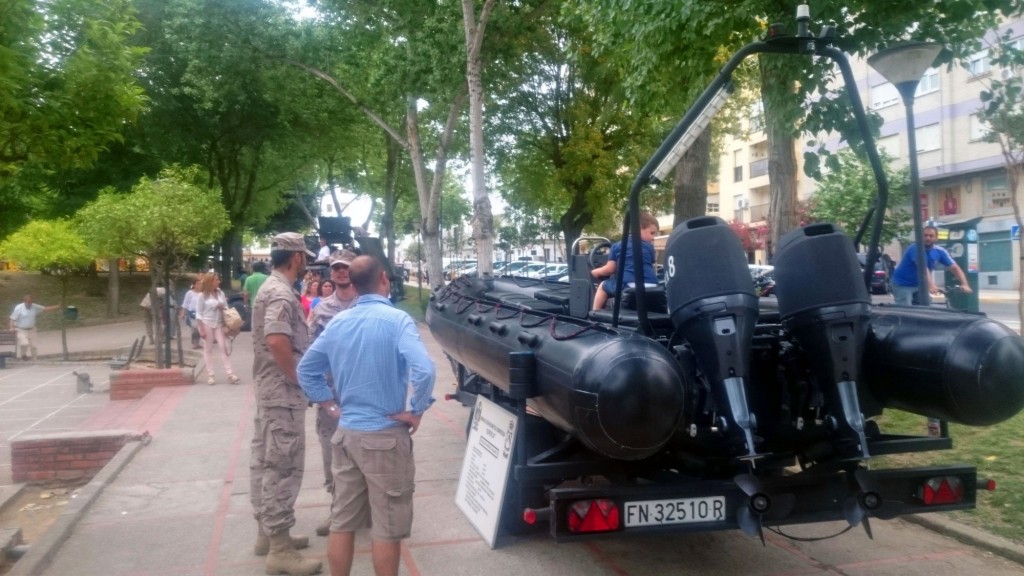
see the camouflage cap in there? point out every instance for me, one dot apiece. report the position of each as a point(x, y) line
point(343, 257)
point(291, 242)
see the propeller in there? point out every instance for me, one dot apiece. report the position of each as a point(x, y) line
point(867, 500)
point(761, 504)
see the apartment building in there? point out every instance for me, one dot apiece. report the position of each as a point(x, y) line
point(962, 177)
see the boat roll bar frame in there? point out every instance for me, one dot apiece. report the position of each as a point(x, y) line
point(804, 43)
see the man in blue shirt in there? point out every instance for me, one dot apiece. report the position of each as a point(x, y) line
point(904, 278)
point(373, 352)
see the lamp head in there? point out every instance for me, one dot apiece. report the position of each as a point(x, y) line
point(905, 63)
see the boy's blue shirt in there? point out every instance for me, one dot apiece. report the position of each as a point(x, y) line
point(648, 255)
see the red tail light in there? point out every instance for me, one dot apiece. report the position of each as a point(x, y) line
point(880, 273)
point(593, 516)
point(941, 490)
point(530, 516)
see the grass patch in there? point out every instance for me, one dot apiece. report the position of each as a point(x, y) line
point(996, 451)
point(415, 302)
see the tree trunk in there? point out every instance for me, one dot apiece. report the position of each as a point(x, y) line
point(64, 281)
point(690, 184)
point(576, 218)
point(483, 219)
point(1013, 176)
point(428, 194)
point(155, 315)
point(231, 250)
point(428, 201)
point(165, 312)
point(331, 186)
point(387, 221)
point(777, 88)
point(113, 288)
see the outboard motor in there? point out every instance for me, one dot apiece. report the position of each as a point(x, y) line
point(824, 304)
point(713, 306)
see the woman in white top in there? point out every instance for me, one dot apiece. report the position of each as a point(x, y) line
point(210, 305)
point(188, 310)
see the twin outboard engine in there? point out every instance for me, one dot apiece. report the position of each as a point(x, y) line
point(713, 306)
point(824, 304)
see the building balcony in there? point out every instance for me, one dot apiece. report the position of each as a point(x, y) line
point(758, 168)
point(759, 213)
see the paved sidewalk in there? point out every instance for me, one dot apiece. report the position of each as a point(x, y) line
point(998, 295)
point(179, 506)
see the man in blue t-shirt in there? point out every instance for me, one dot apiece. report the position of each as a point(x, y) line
point(648, 230)
point(904, 278)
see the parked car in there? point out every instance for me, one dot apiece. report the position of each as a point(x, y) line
point(759, 269)
point(514, 268)
point(764, 283)
point(453, 270)
point(495, 269)
point(881, 279)
point(532, 270)
point(553, 271)
point(467, 268)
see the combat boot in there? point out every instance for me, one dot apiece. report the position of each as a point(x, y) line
point(285, 559)
point(262, 546)
point(324, 528)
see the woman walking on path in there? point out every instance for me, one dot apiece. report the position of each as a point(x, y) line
point(210, 306)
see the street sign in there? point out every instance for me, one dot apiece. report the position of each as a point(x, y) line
point(1015, 232)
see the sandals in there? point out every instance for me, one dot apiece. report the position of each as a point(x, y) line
point(234, 379)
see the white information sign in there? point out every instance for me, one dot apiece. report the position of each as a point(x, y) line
point(485, 467)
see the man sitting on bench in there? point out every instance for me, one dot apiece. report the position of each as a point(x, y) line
point(648, 230)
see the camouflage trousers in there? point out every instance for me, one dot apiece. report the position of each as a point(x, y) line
point(275, 466)
point(325, 428)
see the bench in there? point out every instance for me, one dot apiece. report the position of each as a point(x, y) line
point(558, 296)
point(628, 319)
point(125, 356)
point(7, 338)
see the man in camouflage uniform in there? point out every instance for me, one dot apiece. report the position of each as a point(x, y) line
point(343, 297)
point(280, 337)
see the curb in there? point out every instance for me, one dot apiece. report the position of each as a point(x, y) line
point(9, 493)
point(192, 358)
point(969, 535)
point(41, 552)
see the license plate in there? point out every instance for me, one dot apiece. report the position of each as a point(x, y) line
point(677, 511)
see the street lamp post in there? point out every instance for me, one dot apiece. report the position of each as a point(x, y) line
point(903, 65)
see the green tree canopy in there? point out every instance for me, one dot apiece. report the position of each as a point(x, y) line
point(847, 191)
point(162, 219)
point(52, 245)
point(67, 89)
point(1002, 110)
